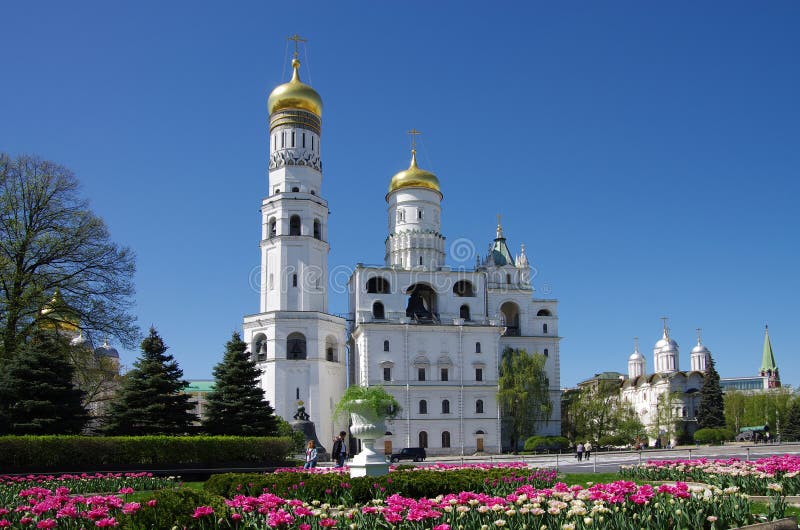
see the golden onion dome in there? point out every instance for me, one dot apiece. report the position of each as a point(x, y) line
point(56, 313)
point(295, 95)
point(414, 177)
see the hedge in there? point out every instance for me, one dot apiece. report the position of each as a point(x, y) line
point(90, 453)
point(546, 443)
point(712, 436)
point(336, 488)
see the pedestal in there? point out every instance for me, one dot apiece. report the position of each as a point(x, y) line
point(368, 463)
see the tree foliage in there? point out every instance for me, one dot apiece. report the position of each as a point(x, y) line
point(37, 395)
point(151, 400)
point(50, 241)
point(598, 413)
point(745, 409)
point(237, 406)
point(711, 411)
point(523, 394)
point(790, 428)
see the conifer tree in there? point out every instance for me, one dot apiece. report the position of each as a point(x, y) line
point(37, 394)
point(711, 411)
point(237, 406)
point(151, 400)
point(790, 431)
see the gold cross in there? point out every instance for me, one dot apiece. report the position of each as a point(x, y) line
point(297, 40)
point(414, 133)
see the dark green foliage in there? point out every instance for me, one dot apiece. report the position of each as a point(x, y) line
point(37, 395)
point(338, 488)
point(237, 406)
point(174, 509)
point(151, 400)
point(297, 437)
point(790, 430)
point(92, 453)
point(523, 394)
point(712, 436)
point(711, 412)
point(546, 443)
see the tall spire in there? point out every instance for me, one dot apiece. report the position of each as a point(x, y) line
point(768, 358)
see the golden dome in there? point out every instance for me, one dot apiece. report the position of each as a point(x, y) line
point(295, 95)
point(414, 177)
point(57, 314)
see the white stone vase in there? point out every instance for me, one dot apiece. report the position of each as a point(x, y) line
point(367, 426)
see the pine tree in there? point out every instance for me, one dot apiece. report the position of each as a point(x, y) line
point(711, 412)
point(151, 400)
point(790, 431)
point(37, 394)
point(237, 406)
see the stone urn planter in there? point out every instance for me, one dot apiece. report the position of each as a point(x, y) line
point(368, 408)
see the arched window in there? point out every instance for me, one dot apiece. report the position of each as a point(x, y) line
point(463, 288)
point(508, 278)
point(423, 406)
point(544, 313)
point(544, 328)
point(445, 406)
point(479, 407)
point(445, 439)
point(317, 229)
point(296, 346)
point(510, 313)
point(546, 352)
point(422, 303)
point(295, 189)
point(423, 439)
point(377, 311)
point(331, 349)
point(259, 347)
point(378, 285)
point(294, 225)
point(464, 312)
point(294, 280)
point(477, 347)
point(386, 345)
point(273, 227)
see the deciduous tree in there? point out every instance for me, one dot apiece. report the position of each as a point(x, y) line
point(523, 393)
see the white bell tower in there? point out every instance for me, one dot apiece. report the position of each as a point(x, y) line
point(298, 346)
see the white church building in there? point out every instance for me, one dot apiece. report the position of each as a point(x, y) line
point(430, 334)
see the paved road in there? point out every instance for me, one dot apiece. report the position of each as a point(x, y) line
point(609, 462)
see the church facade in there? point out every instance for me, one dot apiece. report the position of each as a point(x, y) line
point(430, 334)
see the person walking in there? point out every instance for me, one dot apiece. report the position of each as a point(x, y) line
point(311, 456)
point(339, 451)
point(587, 449)
point(579, 451)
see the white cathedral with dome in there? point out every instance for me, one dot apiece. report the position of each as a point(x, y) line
point(431, 335)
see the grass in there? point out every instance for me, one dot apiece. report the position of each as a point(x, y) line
point(762, 508)
point(571, 479)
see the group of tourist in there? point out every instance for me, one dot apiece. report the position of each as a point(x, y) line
point(583, 451)
point(338, 452)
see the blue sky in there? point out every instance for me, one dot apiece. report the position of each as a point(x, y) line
point(646, 153)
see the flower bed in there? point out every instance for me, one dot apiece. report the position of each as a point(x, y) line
point(759, 477)
point(12, 485)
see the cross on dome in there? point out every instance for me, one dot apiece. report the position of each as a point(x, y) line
point(297, 40)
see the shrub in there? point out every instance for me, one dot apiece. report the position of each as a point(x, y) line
point(614, 440)
point(546, 443)
point(174, 508)
point(712, 436)
point(85, 453)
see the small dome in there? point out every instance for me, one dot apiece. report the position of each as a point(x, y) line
point(295, 95)
point(700, 348)
point(666, 343)
point(414, 177)
point(106, 351)
point(636, 356)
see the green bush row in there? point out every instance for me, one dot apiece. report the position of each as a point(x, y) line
point(337, 488)
point(90, 453)
point(712, 436)
point(546, 443)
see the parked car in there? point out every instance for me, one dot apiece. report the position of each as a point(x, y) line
point(417, 454)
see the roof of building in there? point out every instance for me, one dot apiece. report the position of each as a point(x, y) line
point(768, 358)
point(200, 385)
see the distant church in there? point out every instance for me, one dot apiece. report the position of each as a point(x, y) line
point(431, 335)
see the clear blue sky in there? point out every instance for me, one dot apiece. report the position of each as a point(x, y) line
point(646, 153)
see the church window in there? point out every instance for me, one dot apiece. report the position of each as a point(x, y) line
point(420, 260)
point(477, 347)
point(329, 354)
point(386, 345)
point(378, 285)
point(445, 439)
point(259, 347)
point(445, 374)
point(445, 406)
point(546, 352)
point(296, 346)
point(387, 374)
point(317, 229)
point(283, 139)
point(312, 142)
point(478, 374)
point(479, 407)
point(544, 328)
point(464, 312)
point(304, 140)
point(419, 213)
point(423, 439)
point(292, 139)
point(423, 406)
point(331, 349)
point(463, 288)
point(544, 313)
point(421, 374)
point(295, 189)
point(510, 319)
point(684, 412)
point(377, 311)
point(273, 227)
point(294, 225)
point(508, 278)
point(297, 393)
point(294, 280)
